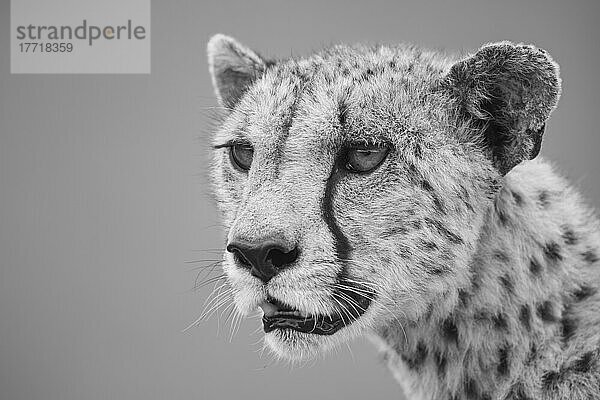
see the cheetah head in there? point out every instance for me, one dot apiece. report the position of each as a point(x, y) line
point(354, 183)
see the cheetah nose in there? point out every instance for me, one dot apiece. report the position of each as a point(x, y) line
point(264, 259)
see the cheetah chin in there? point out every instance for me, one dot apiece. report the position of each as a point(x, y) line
point(398, 193)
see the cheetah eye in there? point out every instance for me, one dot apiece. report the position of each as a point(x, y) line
point(364, 159)
point(241, 156)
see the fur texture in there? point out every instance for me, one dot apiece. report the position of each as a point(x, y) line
point(482, 264)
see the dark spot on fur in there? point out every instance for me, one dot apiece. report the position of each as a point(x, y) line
point(426, 185)
point(471, 389)
point(366, 75)
point(508, 284)
point(503, 361)
point(403, 251)
point(428, 312)
point(518, 198)
point(501, 256)
point(385, 259)
point(440, 362)
point(533, 351)
point(569, 326)
point(430, 245)
point(584, 292)
point(552, 252)
point(584, 364)
point(503, 217)
point(482, 316)
point(547, 312)
point(438, 204)
point(437, 269)
point(397, 230)
point(550, 379)
point(385, 332)
point(491, 187)
point(451, 236)
point(418, 358)
point(476, 281)
point(535, 267)
point(525, 316)
point(436, 200)
point(590, 256)
point(450, 331)
point(517, 392)
point(416, 224)
point(569, 236)
point(418, 151)
point(543, 199)
point(500, 321)
point(463, 296)
point(413, 173)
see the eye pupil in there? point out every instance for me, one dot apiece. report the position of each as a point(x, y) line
point(241, 156)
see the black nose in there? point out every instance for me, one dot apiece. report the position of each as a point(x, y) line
point(265, 259)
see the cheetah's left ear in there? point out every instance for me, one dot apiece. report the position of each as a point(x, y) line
point(233, 68)
point(510, 90)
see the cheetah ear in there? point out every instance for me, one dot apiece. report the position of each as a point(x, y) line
point(233, 68)
point(510, 90)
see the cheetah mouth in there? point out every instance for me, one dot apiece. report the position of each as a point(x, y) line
point(277, 315)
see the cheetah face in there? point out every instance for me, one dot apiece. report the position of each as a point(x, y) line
point(351, 188)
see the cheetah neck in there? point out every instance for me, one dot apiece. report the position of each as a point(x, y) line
point(521, 309)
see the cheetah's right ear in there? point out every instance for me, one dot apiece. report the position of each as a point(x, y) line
point(509, 90)
point(233, 68)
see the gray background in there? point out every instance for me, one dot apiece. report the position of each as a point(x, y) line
point(103, 197)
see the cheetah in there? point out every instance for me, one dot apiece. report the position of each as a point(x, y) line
point(398, 193)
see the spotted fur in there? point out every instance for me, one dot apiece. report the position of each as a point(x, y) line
point(482, 261)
